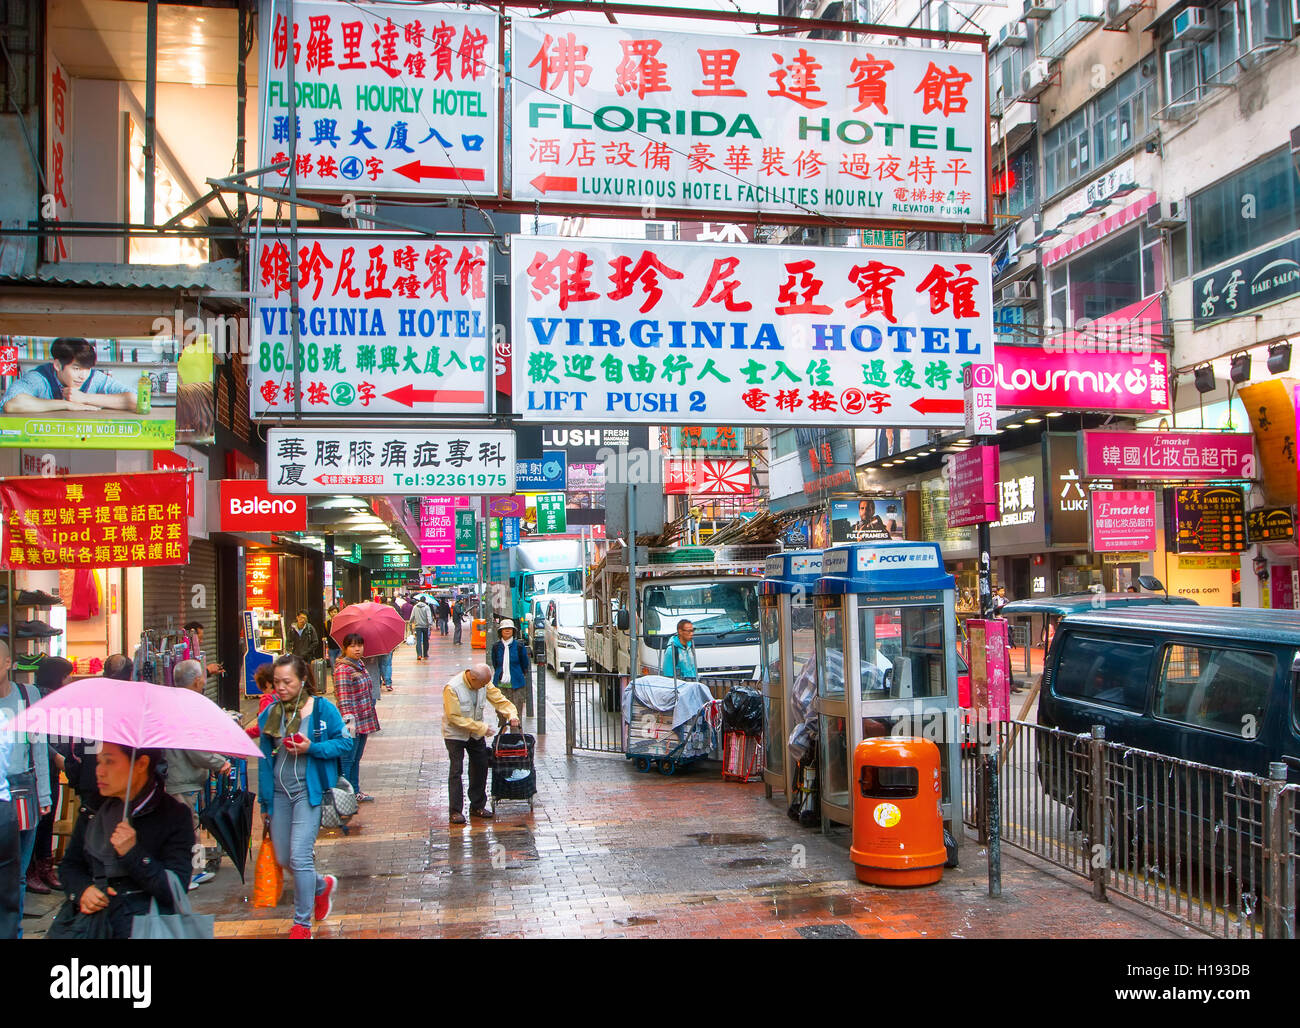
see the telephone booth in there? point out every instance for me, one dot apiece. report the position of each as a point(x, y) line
point(886, 664)
point(788, 652)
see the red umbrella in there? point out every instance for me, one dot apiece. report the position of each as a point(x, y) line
point(377, 623)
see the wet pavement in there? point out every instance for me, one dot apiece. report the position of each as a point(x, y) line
point(610, 853)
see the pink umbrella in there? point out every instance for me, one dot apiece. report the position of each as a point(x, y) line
point(136, 715)
point(377, 623)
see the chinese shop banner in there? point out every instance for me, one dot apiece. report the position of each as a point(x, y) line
point(973, 487)
point(388, 98)
point(639, 117)
point(94, 521)
point(1176, 455)
point(327, 462)
point(1205, 520)
point(386, 325)
point(647, 333)
point(1123, 521)
point(689, 476)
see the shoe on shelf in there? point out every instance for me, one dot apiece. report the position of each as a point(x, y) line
point(300, 931)
point(325, 900)
point(37, 598)
point(34, 882)
point(35, 630)
point(29, 662)
point(479, 812)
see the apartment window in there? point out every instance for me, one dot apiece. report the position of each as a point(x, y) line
point(1106, 278)
point(1098, 132)
point(784, 443)
point(1015, 189)
point(1238, 31)
point(1258, 204)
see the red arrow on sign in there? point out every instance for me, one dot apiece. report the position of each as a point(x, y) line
point(543, 183)
point(410, 396)
point(416, 171)
point(924, 406)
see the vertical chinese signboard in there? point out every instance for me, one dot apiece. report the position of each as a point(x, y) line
point(550, 514)
point(388, 98)
point(990, 669)
point(973, 487)
point(616, 116)
point(466, 533)
point(386, 325)
point(653, 332)
point(94, 521)
point(58, 148)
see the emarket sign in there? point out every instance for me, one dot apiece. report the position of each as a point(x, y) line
point(89, 433)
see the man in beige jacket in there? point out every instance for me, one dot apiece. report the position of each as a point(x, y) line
point(465, 732)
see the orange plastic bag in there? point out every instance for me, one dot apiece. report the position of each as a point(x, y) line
point(268, 877)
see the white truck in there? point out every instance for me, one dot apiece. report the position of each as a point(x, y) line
point(716, 589)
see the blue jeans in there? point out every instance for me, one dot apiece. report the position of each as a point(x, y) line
point(26, 847)
point(350, 766)
point(421, 642)
point(386, 668)
point(295, 823)
point(12, 885)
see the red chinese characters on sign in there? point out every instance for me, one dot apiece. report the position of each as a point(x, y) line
point(94, 521)
point(387, 271)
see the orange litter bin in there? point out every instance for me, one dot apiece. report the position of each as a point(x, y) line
point(478, 634)
point(897, 821)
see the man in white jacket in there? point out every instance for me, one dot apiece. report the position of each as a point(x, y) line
point(465, 732)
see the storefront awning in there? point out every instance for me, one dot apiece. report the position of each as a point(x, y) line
point(1103, 228)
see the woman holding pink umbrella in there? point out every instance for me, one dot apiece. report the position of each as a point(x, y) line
point(382, 628)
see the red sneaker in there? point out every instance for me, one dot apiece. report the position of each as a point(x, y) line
point(300, 931)
point(325, 900)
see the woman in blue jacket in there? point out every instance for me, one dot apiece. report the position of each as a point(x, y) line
point(303, 740)
point(510, 654)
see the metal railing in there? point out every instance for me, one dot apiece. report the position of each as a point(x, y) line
point(1214, 849)
point(593, 708)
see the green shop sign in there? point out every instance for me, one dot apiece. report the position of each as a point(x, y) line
point(72, 433)
point(466, 537)
point(550, 514)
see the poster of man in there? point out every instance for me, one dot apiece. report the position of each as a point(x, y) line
point(69, 380)
point(867, 519)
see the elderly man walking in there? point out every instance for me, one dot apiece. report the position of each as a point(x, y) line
point(465, 732)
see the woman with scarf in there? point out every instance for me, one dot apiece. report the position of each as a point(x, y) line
point(119, 864)
point(355, 694)
point(303, 739)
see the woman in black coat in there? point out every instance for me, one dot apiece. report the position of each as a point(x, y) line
point(119, 866)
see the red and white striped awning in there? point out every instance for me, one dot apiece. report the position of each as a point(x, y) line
point(1100, 230)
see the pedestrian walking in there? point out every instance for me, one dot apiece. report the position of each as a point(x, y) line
point(510, 662)
point(187, 772)
point(11, 915)
point(421, 622)
point(405, 608)
point(303, 640)
point(302, 739)
point(679, 660)
point(354, 693)
point(444, 614)
point(465, 733)
point(28, 770)
point(331, 647)
point(458, 617)
point(120, 865)
point(42, 878)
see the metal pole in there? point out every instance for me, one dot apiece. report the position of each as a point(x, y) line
point(994, 818)
point(631, 585)
point(292, 133)
point(241, 106)
point(150, 106)
point(540, 711)
point(1099, 858)
point(569, 725)
point(1279, 900)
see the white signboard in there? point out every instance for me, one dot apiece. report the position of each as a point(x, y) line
point(386, 325)
point(673, 333)
point(647, 118)
point(388, 98)
point(396, 462)
point(979, 395)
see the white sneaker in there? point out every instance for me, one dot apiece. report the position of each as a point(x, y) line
point(200, 879)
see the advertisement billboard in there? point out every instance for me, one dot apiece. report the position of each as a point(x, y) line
point(1123, 521)
point(629, 117)
point(1174, 455)
point(867, 519)
point(810, 335)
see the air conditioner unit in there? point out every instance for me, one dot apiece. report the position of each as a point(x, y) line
point(1193, 23)
point(1016, 33)
point(1038, 9)
point(1035, 79)
point(1120, 12)
point(1022, 293)
point(1167, 214)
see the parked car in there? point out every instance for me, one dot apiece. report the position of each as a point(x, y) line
point(1215, 686)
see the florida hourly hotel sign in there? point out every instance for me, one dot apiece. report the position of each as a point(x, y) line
point(623, 330)
point(632, 117)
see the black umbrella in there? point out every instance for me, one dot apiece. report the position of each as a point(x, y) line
point(229, 818)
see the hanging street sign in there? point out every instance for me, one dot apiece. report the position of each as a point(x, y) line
point(550, 514)
point(547, 473)
point(510, 532)
point(659, 332)
point(1174, 455)
point(466, 531)
point(327, 462)
point(386, 325)
point(632, 117)
point(388, 98)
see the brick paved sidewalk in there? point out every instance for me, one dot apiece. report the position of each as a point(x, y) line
point(609, 853)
